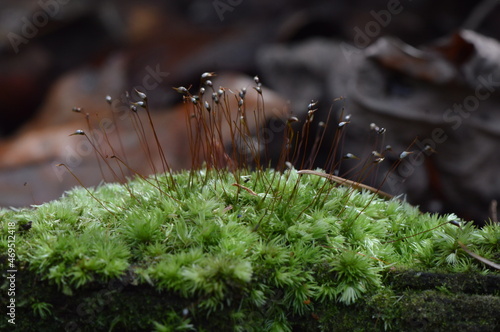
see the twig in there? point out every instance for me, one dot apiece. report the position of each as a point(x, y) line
point(346, 182)
point(250, 191)
point(479, 258)
point(493, 211)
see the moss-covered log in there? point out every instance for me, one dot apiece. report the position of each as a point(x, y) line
point(262, 251)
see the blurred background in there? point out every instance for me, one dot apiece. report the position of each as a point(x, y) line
point(425, 70)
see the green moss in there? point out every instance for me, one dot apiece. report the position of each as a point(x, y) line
point(277, 252)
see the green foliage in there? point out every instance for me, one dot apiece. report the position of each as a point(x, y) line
point(174, 322)
point(356, 275)
point(42, 309)
point(261, 258)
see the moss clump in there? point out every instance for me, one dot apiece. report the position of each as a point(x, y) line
point(206, 250)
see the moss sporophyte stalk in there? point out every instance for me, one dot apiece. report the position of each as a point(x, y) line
point(233, 245)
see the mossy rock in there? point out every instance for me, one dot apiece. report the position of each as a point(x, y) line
point(263, 251)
